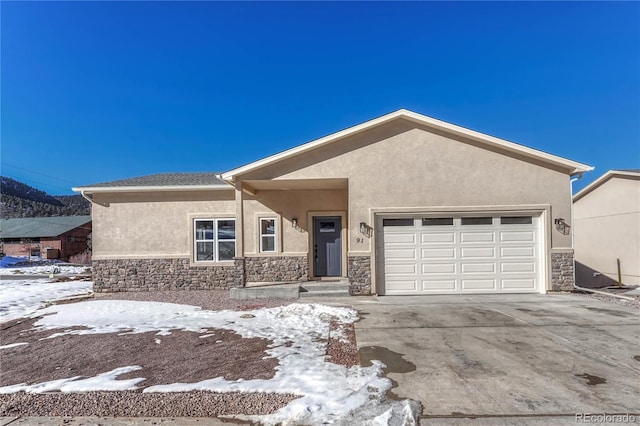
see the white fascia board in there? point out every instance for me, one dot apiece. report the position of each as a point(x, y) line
point(573, 166)
point(602, 179)
point(96, 189)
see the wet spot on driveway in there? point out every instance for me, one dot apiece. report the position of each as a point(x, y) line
point(591, 379)
point(394, 361)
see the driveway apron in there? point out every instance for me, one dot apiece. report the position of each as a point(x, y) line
point(524, 356)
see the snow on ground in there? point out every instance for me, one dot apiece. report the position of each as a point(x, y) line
point(20, 298)
point(330, 393)
point(10, 265)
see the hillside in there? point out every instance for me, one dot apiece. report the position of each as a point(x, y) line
point(21, 200)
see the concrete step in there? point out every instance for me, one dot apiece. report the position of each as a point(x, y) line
point(311, 286)
point(278, 291)
point(325, 293)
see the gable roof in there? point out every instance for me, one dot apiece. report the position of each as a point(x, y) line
point(572, 167)
point(625, 174)
point(38, 227)
point(160, 182)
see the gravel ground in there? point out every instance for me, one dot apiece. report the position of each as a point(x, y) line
point(227, 354)
point(612, 299)
point(213, 300)
point(137, 404)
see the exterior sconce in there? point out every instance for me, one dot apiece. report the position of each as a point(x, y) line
point(294, 222)
point(363, 228)
point(562, 226)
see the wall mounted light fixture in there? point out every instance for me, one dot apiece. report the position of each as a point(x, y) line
point(294, 222)
point(363, 228)
point(562, 226)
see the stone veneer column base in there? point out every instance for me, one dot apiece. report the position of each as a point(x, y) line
point(562, 271)
point(115, 275)
point(276, 268)
point(359, 272)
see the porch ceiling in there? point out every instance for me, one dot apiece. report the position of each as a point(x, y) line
point(295, 184)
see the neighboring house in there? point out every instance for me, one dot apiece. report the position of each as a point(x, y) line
point(401, 204)
point(49, 237)
point(607, 229)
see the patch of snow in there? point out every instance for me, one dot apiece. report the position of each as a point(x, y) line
point(20, 298)
point(158, 341)
point(102, 382)
point(58, 270)
point(13, 345)
point(339, 335)
point(330, 393)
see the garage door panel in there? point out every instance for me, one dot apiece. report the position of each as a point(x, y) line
point(518, 284)
point(438, 268)
point(472, 268)
point(399, 238)
point(518, 267)
point(401, 286)
point(439, 253)
point(401, 254)
point(517, 236)
point(438, 238)
point(477, 237)
point(477, 253)
point(478, 284)
point(404, 269)
point(507, 252)
point(438, 285)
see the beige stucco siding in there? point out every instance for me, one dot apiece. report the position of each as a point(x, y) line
point(607, 227)
point(285, 205)
point(152, 225)
point(403, 165)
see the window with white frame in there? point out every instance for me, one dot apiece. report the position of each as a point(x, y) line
point(214, 239)
point(268, 232)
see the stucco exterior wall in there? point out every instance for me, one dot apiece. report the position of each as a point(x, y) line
point(606, 228)
point(285, 205)
point(152, 225)
point(405, 165)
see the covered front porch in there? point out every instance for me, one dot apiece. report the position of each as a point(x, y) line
point(291, 231)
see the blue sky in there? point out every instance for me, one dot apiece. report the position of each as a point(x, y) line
point(99, 91)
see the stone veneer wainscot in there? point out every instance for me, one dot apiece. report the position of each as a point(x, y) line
point(562, 271)
point(114, 275)
point(276, 268)
point(359, 270)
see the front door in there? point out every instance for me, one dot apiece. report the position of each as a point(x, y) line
point(327, 246)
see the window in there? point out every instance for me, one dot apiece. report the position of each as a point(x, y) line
point(516, 220)
point(437, 221)
point(398, 222)
point(214, 239)
point(267, 235)
point(477, 221)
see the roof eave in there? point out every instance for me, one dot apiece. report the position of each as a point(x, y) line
point(601, 180)
point(572, 167)
point(155, 188)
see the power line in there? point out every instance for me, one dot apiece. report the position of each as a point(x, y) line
point(38, 173)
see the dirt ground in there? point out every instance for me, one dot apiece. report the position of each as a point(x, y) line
point(181, 356)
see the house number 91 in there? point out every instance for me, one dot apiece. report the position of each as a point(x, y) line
point(360, 240)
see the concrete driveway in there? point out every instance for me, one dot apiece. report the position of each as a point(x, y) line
point(505, 359)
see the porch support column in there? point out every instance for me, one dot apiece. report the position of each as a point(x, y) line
point(239, 273)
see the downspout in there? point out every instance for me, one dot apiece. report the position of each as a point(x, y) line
point(575, 286)
point(90, 199)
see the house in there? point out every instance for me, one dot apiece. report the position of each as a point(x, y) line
point(607, 230)
point(49, 237)
point(401, 204)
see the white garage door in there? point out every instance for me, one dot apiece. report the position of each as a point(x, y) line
point(453, 254)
